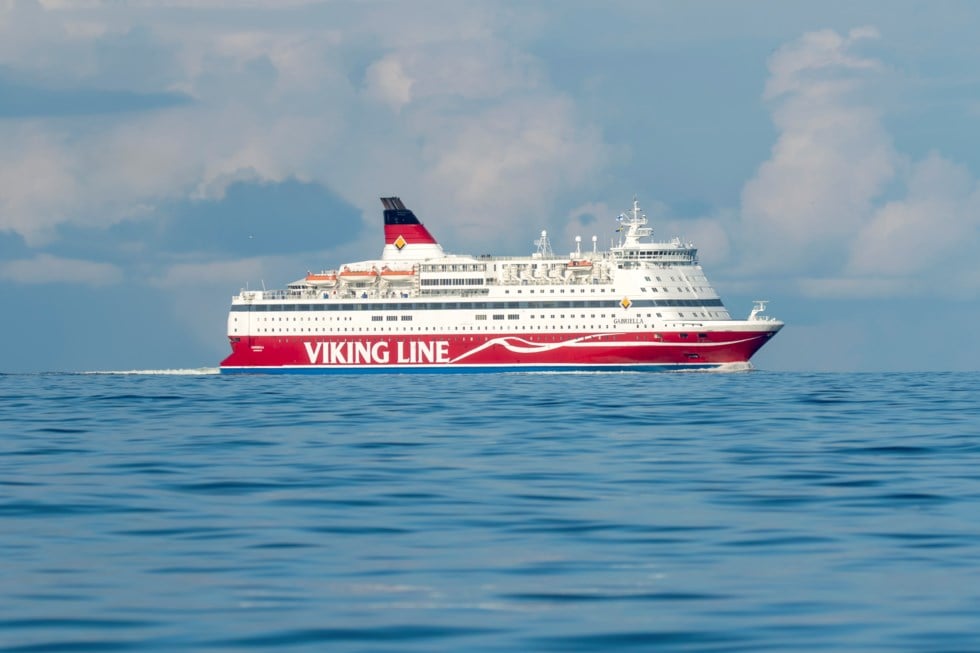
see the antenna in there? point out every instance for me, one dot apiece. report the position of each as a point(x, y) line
point(594, 240)
point(578, 245)
point(544, 247)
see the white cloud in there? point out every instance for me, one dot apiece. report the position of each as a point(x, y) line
point(45, 268)
point(836, 204)
point(934, 227)
point(387, 81)
point(795, 67)
point(831, 160)
point(706, 233)
point(476, 131)
point(502, 167)
point(453, 71)
point(38, 184)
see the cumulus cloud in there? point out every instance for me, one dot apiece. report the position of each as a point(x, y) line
point(389, 83)
point(506, 167)
point(832, 157)
point(935, 226)
point(836, 204)
point(708, 233)
point(447, 109)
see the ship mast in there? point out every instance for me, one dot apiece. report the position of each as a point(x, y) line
point(634, 222)
point(544, 247)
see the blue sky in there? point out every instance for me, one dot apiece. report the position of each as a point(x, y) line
point(159, 156)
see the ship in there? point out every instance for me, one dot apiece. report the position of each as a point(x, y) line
point(640, 305)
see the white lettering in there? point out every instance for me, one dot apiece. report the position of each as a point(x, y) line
point(337, 353)
point(362, 352)
point(313, 352)
point(379, 352)
point(442, 351)
point(426, 352)
point(402, 358)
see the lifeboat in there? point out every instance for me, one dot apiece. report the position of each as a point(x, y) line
point(580, 265)
point(397, 277)
point(324, 279)
point(359, 277)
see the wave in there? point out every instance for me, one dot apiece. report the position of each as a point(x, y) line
point(724, 368)
point(197, 371)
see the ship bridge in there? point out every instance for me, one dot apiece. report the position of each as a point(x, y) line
point(633, 248)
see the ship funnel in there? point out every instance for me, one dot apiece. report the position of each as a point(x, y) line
point(406, 238)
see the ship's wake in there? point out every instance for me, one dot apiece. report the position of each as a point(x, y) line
point(197, 371)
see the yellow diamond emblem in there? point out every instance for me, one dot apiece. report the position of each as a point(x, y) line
point(625, 302)
point(400, 242)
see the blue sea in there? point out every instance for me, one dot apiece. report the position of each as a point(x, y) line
point(501, 512)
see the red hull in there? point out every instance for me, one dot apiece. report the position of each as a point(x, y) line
point(309, 353)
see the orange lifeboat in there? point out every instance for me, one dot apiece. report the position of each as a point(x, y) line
point(580, 265)
point(322, 279)
point(397, 276)
point(361, 277)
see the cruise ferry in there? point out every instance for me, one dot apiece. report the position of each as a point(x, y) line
point(641, 305)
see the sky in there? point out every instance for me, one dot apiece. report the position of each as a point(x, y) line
point(158, 156)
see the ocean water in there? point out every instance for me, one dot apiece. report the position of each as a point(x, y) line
point(511, 512)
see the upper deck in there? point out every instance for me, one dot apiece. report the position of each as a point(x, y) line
point(633, 266)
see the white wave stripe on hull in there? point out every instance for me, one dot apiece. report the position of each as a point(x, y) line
point(528, 347)
point(507, 342)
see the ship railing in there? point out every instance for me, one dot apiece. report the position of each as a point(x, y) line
point(281, 294)
point(592, 256)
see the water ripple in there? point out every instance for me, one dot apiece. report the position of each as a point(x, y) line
point(515, 512)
